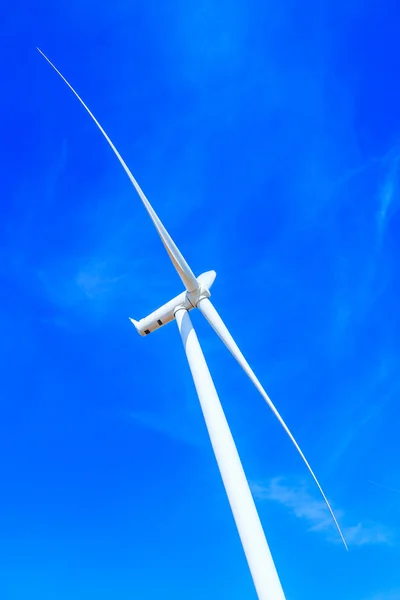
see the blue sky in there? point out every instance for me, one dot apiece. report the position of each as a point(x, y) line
point(266, 135)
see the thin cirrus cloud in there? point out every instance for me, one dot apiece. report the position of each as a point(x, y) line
point(388, 196)
point(390, 595)
point(303, 505)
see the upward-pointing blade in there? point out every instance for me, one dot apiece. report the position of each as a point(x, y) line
point(184, 271)
point(212, 316)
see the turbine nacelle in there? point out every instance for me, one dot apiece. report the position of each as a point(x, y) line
point(187, 300)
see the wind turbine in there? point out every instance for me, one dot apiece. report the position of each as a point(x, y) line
point(196, 295)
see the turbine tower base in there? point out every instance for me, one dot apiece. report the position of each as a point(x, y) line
point(255, 546)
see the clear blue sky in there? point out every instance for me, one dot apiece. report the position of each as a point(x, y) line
point(266, 135)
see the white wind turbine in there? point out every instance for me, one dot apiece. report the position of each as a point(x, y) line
point(196, 295)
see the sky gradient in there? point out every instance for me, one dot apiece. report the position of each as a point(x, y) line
point(266, 136)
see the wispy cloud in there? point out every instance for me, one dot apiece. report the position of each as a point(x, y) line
point(390, 595)
point(74, 284)
point(171, 425)
point(303, 505)
point(387, 197)
point(367, 533)
point(93, 280)
point(385, 487)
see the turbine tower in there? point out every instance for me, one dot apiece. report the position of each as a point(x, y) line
point(196, 295)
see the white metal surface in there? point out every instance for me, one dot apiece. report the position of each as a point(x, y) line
point(212, 316)
point(163, 315)
point(180, 264)
point(166, 313)
point(250, 530)
point(207, 279)
point(251, 533)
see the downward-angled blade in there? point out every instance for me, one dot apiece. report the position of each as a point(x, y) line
point(184, 271)
point(212, 316)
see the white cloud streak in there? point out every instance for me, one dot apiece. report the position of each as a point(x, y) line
point(387, 196)
point(392, 595)
point(301, 503)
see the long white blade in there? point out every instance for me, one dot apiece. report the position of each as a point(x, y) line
point(184, 271)
point(212, 316)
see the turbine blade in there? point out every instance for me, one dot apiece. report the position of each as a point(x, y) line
point(212, 316)
point(184, 271)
